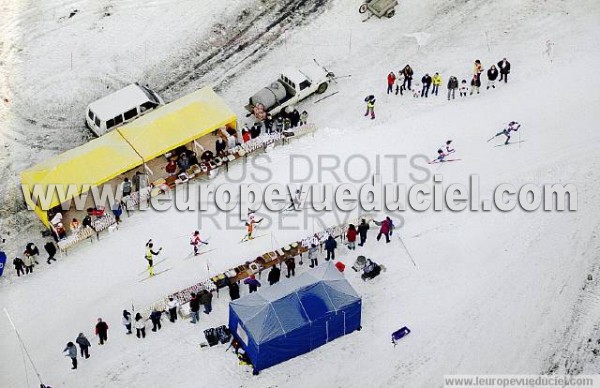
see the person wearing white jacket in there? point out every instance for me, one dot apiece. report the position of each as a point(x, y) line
point(126, 320)
point(28, 260)
point(399, 83)
point(140, 326)
point(172, 306)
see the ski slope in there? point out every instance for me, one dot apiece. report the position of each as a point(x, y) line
point(501, 293)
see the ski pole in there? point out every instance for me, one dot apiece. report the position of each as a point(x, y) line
point(407, 252)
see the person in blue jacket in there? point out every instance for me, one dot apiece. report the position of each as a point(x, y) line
point(252, 283)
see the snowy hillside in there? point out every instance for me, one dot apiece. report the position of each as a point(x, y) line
point(489, 292)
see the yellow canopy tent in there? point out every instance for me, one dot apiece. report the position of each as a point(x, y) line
point(89, 165)
point(177, 123)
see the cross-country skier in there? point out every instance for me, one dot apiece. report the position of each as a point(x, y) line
point(196, 241)
point(441, 156)
point(149, 255)
point(513, 126)
point(448, 147)
point(370, 100)
point(250, 225)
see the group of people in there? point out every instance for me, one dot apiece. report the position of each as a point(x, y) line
point(30, 258)
point(403, 81)
point(283, 122)
point(101, 331)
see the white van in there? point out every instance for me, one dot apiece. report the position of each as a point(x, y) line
point(120, 107)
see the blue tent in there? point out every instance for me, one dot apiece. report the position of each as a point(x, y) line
point(295, 316)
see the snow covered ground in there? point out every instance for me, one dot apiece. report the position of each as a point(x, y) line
point(490, 293)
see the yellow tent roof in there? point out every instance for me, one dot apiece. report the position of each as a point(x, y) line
point(93, 163)
point(177, 123)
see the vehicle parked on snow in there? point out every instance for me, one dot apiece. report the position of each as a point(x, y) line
point(120, 107)
point(292, 87)
point(379, 8)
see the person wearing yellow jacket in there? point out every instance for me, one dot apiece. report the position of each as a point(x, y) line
point(436, 80)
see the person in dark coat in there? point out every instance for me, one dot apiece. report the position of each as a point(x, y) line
point(87, 221)
point(295, 118)
point(206, 301)
point(220, 146)
point(126, 320)
point(234, 290)
point(504, 67)
point(452, 86)
point(192, 157)
point(492, 74)
point(183, 162)
point(51, 250)
point(155, 317)
point(19, 266)
point(407, 72)
point(291, 267)
point(426, 81)
point(274, 275)
point(33, 251)
point(71, 350)
point(363, 228)
point(84, 345)
point(268, 122)
point(330, 246)
point(195, 308)
point(102, 331)
point(252, 283)
point(475, 84)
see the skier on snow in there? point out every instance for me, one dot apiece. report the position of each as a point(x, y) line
point(195, 240)
point(513, 126)
point(250, 224)
point(149, 255)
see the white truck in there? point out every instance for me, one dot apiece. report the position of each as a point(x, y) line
point(291, 87)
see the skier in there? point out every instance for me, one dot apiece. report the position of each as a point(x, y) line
point(19, 265)
point(195, 308)
point(452, 86)
point(441, 156)
point(312, 255)
point(363, 228)
point(34, 252)
point(291, 267)
point(437, 81)
point(149, 255)
point(504, 67)
point(407, 72)
point(71, 350)
point(513, 126)
point(384, 229)
point(370, 100)
point(155, 317)
point(172, 306)
point(252, 283)
point(464, 88)
point(475, 84)
point(195, 241)
point(330, 246)
point(51, 250)
point(426, 81)
point(274, 275)
point(126, 320)
point(391, 79)
point(206, 301)
point(492, 74)
point(140, 326)
point(351, 236)
point(234, 290)
point(84, 345)
point(102, 331)
point(250, 225)
point(448, 147)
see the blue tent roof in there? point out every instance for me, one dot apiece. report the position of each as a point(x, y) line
point(312, 308)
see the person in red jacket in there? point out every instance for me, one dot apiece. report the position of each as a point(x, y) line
point(102, 331)
point(391, 79)
point(385, 228)
point(351, 236)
